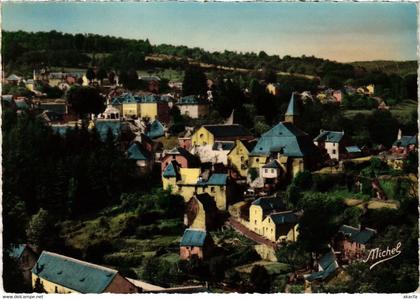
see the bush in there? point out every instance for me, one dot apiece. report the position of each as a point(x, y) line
point(95, 252)
point(123, 259)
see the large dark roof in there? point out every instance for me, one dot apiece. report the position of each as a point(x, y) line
point(269, 203)
point(287, 139)
point(361, 236)
point(330, 136)
point(234, 130)
point(406, 141)
point(73, 274)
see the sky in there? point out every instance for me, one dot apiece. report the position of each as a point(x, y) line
point(336, 31)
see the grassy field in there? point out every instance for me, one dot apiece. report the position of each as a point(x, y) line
point(273, 268)
point(401, 68)
point(401, 111)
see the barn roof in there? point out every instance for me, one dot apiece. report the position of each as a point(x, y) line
point(73, 274)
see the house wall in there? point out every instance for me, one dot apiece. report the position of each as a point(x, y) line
point(51, 287)
point(120, 285)
point(130, 109)
point(189, 110)
point(239, 158)
point(298, 165)
point(255, 219)
point(200, 220)
point(186, 252)
point(257, 161)
point(219, 194)
point(269, 173)
point(202, 137)
point(149, 110)
point(268, 228)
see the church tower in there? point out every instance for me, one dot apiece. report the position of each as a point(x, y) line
point(292, 113)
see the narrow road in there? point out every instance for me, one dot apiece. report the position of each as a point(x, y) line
point(239, 227)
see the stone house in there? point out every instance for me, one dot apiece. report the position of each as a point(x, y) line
point(62, 275)
point(195, 242)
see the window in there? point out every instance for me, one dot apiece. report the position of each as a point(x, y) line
point(242, 158)
point(271, 230)
point(255, 222)
point(212, 189)
point(334, 152)
point(269, 220)
point(201, 136)
point(257, 160)
point(272, 170)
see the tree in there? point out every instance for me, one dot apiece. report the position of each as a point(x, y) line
point(101, 75)
point(41, 231)
point(90, 74)
point(293, 255)
point(260, 279)
point(85, 100)
point(195, 82)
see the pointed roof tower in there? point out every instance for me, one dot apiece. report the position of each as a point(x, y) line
point(292, 112)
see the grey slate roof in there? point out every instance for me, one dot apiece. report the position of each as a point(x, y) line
point(406, 141)
point(328, 264)
point(137, 152)
point(361, 236)
point(272, 164)
point(73, 274)
point(269, 203)
point(284, 217)
point(193, 237)
point(285, 137)
point(353, 149)
point(329, 136)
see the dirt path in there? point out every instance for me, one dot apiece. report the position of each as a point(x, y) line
point(239, 227)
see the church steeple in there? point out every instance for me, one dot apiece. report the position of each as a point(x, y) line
point(292, 113)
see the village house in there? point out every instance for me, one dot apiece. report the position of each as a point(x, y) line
point(273, 88)
point(152, 83)
point(60, 274)
point(216, 154)
point(155, 129)
point(183, 157)
point(209, 134)
point(189, 181)
point(281, 226)
point(148, 106)
point(271, 174)
point(269, 218)
point(195, 242)
point(184, 139)
point(14, 79)
point(26, 258)
point(238, 158)
point(143, 158)
point(338, 95)
point(332, 144)
point(404, 144)
point(262, 207)
point(201, 212)
point(293, 149)
point(193, 106)
point(327, 266)
point(366, 90)
point(350, 242)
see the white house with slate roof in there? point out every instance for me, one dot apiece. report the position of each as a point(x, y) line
point(332, 143)
point(62, 275)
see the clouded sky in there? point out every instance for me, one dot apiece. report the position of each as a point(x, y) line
point(337, 31)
